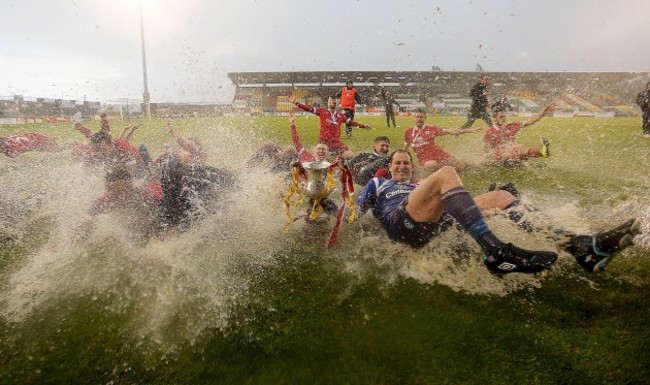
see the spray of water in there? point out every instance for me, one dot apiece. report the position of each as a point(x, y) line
point(193, 279)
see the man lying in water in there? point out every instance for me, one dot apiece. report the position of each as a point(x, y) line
point(414, 214)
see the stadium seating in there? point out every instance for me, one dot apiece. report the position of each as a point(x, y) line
point(575, 93)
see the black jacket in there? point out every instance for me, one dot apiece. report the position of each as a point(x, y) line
point(643, 100)
point(479, 95)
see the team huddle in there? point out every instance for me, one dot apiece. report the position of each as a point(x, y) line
point(174, 191)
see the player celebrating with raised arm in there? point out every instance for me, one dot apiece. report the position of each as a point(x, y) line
point(500, 138)
point(422, 139)
point(330, 126)
point(321, 152)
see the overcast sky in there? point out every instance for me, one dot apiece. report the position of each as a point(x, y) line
point(90, 48)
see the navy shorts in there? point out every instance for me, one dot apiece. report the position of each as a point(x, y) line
point(403, 229)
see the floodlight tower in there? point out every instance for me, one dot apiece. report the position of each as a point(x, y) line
point(146, 98)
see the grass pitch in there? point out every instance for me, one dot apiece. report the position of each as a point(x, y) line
point(238, 302)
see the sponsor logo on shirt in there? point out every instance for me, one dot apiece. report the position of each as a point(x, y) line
point(397, 192)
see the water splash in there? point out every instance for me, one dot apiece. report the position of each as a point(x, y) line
point(179, 286)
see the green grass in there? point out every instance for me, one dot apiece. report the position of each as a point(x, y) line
point(221, 314)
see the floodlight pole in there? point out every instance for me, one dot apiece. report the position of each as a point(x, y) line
point(146, 98)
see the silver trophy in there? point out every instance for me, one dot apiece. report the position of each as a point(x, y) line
point(316, 178)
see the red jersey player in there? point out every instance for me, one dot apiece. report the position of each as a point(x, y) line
point(321, 150)
point(422, 139)
point(500, 138)
point(330, 126)
point(13, 145)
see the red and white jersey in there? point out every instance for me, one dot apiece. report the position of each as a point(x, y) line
point(18, 144)
point(330, 126)
point(496, 137)
point(423, 143)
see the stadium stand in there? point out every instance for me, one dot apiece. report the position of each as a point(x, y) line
point(446, 92)
point(577, 93)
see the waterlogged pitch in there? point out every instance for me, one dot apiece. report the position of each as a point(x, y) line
point(237, 300)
